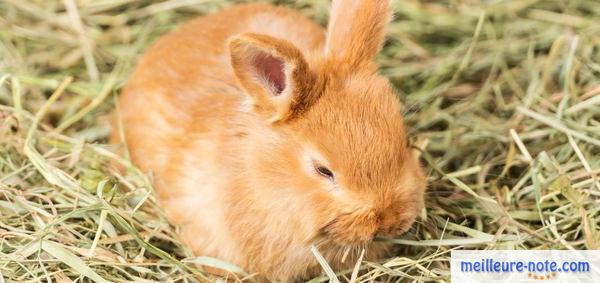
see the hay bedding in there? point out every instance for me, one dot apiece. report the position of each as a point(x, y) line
point(505, 94)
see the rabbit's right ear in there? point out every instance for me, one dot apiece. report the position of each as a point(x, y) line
point(274, 73)
point(356, 29)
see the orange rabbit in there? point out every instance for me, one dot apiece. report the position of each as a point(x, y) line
point(267, 135)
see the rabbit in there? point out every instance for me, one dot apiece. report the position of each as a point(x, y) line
point(266, 135)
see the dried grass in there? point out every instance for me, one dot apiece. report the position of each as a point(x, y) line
point(505, 94)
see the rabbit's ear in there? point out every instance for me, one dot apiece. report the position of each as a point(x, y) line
point(356, 29)
point(273, 72)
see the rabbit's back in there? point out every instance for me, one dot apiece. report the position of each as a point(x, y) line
point(184, 85)
point(179, 107)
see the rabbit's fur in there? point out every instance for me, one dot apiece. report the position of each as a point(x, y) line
point(267, 135)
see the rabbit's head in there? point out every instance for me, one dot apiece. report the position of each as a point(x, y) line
point(331, 156)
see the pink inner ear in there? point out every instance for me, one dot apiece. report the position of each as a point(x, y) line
point(271, 69)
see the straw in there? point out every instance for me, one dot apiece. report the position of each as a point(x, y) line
point(503, 94)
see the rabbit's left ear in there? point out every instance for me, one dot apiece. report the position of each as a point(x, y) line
point(274, 73)
point(356, 29)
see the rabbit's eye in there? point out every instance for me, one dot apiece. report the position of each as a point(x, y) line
point(325, 172)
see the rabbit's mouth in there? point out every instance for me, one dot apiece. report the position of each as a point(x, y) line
point(360, 229)
point(343, 254)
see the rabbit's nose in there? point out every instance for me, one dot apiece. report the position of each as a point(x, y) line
point(389, 232)
point(392, 226)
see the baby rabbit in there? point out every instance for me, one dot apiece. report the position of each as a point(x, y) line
point(266, 135)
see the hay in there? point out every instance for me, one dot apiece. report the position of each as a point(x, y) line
point(506, 95)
